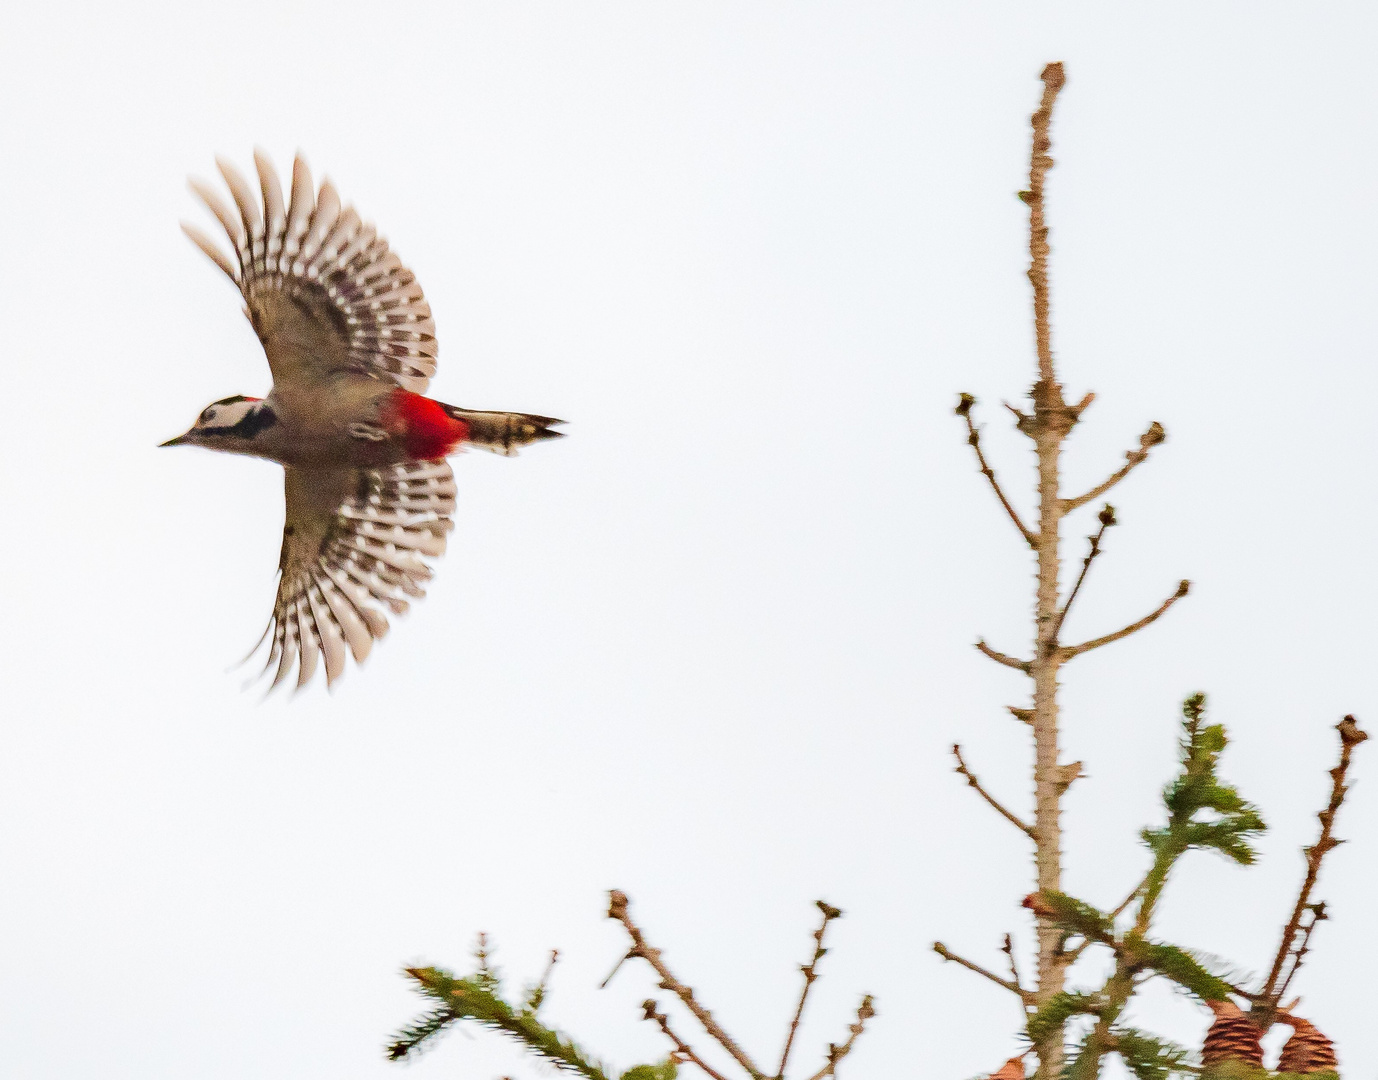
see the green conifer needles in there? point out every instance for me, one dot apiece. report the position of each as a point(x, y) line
point(1202, 812)
point(478, 997)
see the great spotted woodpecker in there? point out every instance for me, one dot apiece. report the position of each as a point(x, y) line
point(351, 345)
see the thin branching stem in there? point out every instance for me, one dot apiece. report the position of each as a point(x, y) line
point(1026, 996)
point(682, 1048)
point(837, 1052)
point(1012, 818)
point(1152, 437)
point(618, 909)
point(963, 410)
point(1069, 651)
point(810, 975)
point(1350, 737)
point(1107, 519)
point(1318, 915)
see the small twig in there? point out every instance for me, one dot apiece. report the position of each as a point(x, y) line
point(1069, 651)
point(616, 968)
point(1150, 438)
point(836, 1053)
point(1001, 658)
point(829, 914)
point(618, 909)
point(1022, 421)
point(1350, 737)
point(1123, 905)
point(537, 994)
point(964, 404)
point(1012, 818)
point(1008, 950)
point(1107, 519)
point(1304, 946)
point(682, 1048)
point(1026, 996)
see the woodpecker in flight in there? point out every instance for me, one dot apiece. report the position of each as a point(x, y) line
point(351, 345)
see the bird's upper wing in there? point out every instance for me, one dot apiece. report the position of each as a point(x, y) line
point(321, 288)
point(354, 540)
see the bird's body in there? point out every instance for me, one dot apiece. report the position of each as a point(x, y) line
point(351, 345)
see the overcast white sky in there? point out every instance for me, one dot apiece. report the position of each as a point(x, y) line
point(712, 648)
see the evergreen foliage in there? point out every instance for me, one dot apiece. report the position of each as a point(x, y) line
point(1202, 812)
point(1061, 1008)
point(478, 997)
point(1149, 1057)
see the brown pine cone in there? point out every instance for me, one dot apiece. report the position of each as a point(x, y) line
point(1307, 1051)
point(1232, 1037)
point(1011, 1070)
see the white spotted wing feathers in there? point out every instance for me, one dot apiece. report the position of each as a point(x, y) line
point(355, 541)
point(322, 289)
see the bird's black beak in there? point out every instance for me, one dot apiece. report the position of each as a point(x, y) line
point(173, 442)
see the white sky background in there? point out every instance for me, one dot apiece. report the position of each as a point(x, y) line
point(713, 648)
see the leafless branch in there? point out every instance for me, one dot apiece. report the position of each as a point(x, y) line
point(682, 1048)
point(1107, 519)
point(1303, 947)
point(1350, 737)
point(829, 914)
point(964, 404)
point(1012, 818)
point(1053, 80)
point(1001, 658)
point(836, 1053)
point(1150, 438)
point(618, 909)
point(1026, 996)
point(1069, 651)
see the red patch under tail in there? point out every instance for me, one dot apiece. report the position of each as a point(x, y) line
point(428, 432)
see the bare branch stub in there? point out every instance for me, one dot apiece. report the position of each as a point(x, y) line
point(682, 1049)
point(618, 908)
point(1024, 716)
point(971, 780)
point(1001, 658)
point(1350, 737)
point(1026, 996)
point(1069, 651)
point(964, 405)
point(1149, 439)
point(810, 974)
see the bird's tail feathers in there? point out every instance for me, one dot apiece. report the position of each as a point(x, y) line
point(505, 432)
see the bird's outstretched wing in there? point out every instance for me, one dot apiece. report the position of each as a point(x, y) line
point(354, 540)
point(320, 286)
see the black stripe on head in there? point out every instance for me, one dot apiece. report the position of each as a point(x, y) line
point(260, 419)
point(249, 425)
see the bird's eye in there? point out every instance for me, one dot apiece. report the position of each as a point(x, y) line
point(207, 415)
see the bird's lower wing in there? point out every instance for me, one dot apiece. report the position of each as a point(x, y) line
point(355, 541)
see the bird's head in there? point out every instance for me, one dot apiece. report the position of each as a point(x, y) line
point(231, 423)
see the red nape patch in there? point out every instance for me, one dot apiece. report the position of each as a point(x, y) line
point(428, 431)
